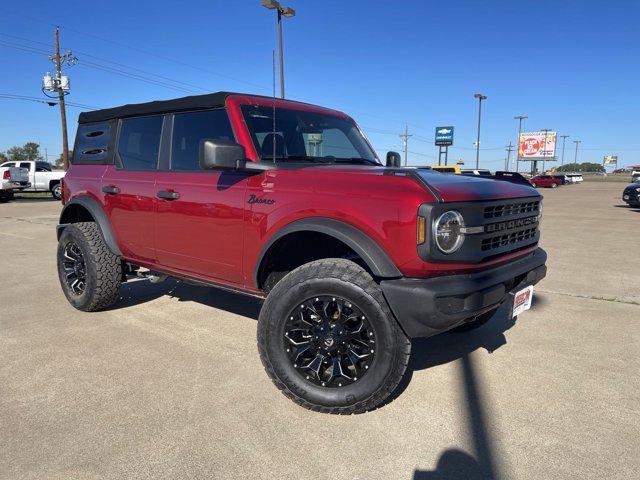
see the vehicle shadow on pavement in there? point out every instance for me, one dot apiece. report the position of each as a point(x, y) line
point(138, 291)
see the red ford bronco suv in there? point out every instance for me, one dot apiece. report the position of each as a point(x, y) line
point(289, 202)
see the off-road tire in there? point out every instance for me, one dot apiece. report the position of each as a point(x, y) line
point(103, 268)
point(56, 191)
point(479, 321)
point(349, 281)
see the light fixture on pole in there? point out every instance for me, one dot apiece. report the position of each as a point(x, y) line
point(282, 11)
point(480, 97)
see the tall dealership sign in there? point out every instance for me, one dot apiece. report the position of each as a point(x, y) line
point(444, 139)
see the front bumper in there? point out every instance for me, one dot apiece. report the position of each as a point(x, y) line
point(425, 307)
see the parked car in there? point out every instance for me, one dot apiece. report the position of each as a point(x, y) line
point(573, 178)
point(12, 179)
point(42, 178)
point(353, 258)
point(631, 195)
point(635, 177)
point(478, 172)
point(549, 181)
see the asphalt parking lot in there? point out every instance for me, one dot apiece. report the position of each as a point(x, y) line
point(168, 383)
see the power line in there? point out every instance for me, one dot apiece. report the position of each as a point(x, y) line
point(146, 52)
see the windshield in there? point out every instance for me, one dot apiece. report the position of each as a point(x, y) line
point(298, 135)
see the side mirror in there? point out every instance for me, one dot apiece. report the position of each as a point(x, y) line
point(221, 154)
point(393, 159)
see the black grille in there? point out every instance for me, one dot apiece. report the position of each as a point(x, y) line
point(498, 241)
point(507, 209)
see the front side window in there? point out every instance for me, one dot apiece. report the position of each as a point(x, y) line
point(189, 129)
point(295, 135)
point(139, 142)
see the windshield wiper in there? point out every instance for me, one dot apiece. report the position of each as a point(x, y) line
point(306, 158)
point(364, 161)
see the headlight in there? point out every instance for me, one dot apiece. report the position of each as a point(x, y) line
point(447, 231)
point(638, 190)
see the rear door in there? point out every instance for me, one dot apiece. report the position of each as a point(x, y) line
point(199, 215)
point(128, 187)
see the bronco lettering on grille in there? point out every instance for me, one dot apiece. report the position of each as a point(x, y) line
point(510, 225)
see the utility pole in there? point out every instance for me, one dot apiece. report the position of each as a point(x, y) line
point(63, 110)
point(480, 97)
point(59, 84)
point(575, 159)
point(519, 118)
point(564, 139)
point(509, 150)
point(405, 139)
point(544, 149)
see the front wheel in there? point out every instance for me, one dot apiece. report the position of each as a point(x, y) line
point(56, 191)
point(328, 340)
point(533, 184)
point(554, 185)
point(90, 274)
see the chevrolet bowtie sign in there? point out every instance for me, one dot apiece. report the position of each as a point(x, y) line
point(444, 136)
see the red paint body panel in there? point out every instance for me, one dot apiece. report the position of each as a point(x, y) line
point(211, 232)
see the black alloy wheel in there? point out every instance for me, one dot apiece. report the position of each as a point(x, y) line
point(75, 269)
point(329, 341)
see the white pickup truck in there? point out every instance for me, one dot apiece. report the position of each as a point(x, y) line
point(12, 179)
point(41, 177)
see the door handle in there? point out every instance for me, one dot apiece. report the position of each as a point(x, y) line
point(111, 190)
point(167, 195)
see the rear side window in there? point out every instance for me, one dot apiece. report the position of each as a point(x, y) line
point(139, 143)
point(189, 129)
point(92, 144)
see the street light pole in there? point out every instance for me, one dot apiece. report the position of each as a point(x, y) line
point(282, 11)
point(480, 97)
point(519, 118)
point(575, 159)
point(564, 139)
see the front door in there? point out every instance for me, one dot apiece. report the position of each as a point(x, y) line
point(199, 213)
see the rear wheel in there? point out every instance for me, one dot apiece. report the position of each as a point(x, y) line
point(328, 340)
point(533, 184)
point(554, 185)
point(89, 273)
point(5, 196)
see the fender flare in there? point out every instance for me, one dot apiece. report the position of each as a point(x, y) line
point(99, 216)
point(373, 255)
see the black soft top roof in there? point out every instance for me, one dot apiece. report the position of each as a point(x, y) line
point(194, 102)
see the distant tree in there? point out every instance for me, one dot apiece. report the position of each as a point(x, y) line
point(29, 151)
point(59, 163)
point(581, 167)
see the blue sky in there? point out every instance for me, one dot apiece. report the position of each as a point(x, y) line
point(570, 66)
